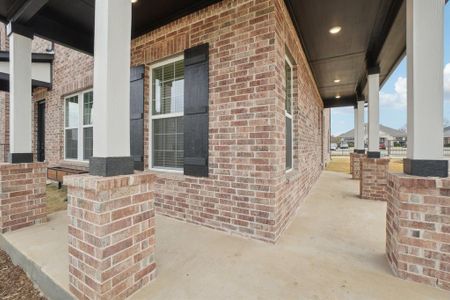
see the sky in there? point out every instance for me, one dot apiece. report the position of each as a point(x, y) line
point(393, 94)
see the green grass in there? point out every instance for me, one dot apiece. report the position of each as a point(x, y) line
point(56, 199)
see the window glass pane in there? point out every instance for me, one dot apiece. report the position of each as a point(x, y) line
point(288, 143)
point(72, 112)
point(168, 147)
point(168, 88)
point(169, 72)
point(71, 143)
point(87, 108)
point(156, 88)
point(87, 142)
point(288, 88)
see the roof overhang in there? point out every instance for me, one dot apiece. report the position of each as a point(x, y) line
point(373, 33)
point(71, 22)
point(41, 70)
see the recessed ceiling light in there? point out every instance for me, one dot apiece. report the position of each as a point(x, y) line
point(134, 1)
point(338, 97)
point(335, 29)
point(337, 80)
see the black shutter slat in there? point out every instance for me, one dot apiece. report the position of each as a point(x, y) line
point(196, 116)
point(137, 116)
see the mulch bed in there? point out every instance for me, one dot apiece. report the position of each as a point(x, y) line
point(14, 283)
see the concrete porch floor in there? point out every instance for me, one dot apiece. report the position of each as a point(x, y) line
point(333, 249)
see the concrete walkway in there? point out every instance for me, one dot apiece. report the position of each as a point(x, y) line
point(333, 249)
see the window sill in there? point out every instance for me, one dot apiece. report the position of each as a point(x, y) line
point(74, 163)
point(292, 175)
point(162, 173)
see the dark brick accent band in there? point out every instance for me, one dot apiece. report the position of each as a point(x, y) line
point(373, 154)
point(20, 158)
point(359, 151)
point(426, 168)
point(111, 166)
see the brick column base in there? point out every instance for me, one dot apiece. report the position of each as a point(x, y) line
point(22, 195)
point(355, 164)
point(111, 235)
point(374, 178)
point(418, 229)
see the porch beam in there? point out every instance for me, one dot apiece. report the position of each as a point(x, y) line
point(20, 99)
point(26, 10)
point(425, 51)
point(341, 102)
point(62, 34)
point(111, 113)
point(373, 80)
point(379, 37)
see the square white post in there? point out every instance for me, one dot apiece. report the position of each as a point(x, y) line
point(425, 46)
point(373, 80)
point(355, 128)
point(360, 127)
point(111, 112)
point(20, 137)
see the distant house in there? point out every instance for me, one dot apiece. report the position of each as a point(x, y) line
point(447, 136)
point(387, 134)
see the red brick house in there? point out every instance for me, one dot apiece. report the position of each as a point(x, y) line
point(220, 121)
point(268, 130)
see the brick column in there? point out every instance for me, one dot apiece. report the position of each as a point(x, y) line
point(22, 195)
point(111, 235)
point(374, 178)
point(355, 165)
point(418, 228)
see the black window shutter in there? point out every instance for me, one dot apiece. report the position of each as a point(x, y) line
point(137, 116)
point(196, 98)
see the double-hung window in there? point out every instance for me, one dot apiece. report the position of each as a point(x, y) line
point(288, 114)
point(167, 114)
point(78, 138)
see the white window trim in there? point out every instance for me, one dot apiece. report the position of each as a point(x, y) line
point(152, 117)
point(81, 127)
point(291, 115)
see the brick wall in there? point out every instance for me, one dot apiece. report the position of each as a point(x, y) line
point(418, 229)
point(326, 135)
point(373, 181)
point(4, 104)
point(355, 164)
point(111, 235)
point(308, 117)
point(72, 72)
point(22, 195)
point(4, 126)
point(247, 191)
point(4, 41)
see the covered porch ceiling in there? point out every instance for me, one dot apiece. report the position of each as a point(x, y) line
point(373, 33)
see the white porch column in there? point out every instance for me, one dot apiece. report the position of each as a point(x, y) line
point(425, 46)
point(360, 127)
point(374, 113)
point(20, 137)
point(111, 113)
point(355, 130)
